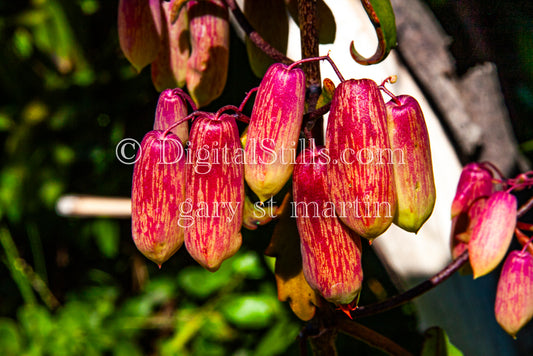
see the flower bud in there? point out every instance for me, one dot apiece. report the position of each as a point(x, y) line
point(331, 252)
point(475, 182)
point(514, 296)
point(158, 189)
point(171, 107)
point(169, 69)
point(139, 30)
point(256, 214)
point(492, 233)
point(413, 175)
point(207, 67)
point(463, 224)
point(274, 129)
point(361, 180)
point(215, 191)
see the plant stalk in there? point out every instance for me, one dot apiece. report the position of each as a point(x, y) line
point(370, 337)
point(412, 293)
point(254, 36)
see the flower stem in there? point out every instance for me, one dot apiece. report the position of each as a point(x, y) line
point(248, 96)
point(181, 93)
point(370, 337)
point(190, 116)
point(526, 245)
point(412, 293)
point(254, 36)
point(12, 262)
point(321, 58)
point(392, 79)
point(490, 165)
point(525, 208)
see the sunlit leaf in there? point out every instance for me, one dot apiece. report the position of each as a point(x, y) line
point(250, 311)
point(437, 343)
point(328, 88)
point(290, 280)
point(200, 283)
point(381, 15)
point(216, 328)
point(22, 41)
point(248, 264)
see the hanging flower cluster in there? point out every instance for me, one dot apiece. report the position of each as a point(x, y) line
point(185, 43)
point(190, 187)
point(198, 184)
point(484, 220)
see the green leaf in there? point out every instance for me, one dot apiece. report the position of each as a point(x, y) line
point(204, 347)
point(50, 192)
point(22, 42)
point(125, 348)
point(381, 15)
point(328, 88)
point(36, 322)
point(9, 338)
point(200, 283)
point(249, 265)
point(216, 328)
point(250, 311)
point(437, 343)
point(277, 339)
point(64, 155)
point(107, 235)
point(6, 123)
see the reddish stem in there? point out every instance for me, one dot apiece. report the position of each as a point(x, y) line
point(525, 238)
point(489, 165)
point(239, 115)
point(519, 186)
point(412, 293)
point(524, 226)
point(524, 208)
point(254, 36)
point(184, 95)
point(316, 59)
point(226, 108)
point(391, 79)
point(370, 337)
point(190, 116)
point(248, 95)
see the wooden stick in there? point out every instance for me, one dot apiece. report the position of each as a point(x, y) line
point(93, 206)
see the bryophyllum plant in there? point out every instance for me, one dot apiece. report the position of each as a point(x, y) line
point(485, 217)
point(371, 168)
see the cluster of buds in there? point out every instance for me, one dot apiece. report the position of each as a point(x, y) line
point(185, 43)
point(359, 184)
point(354, 187)
point(484, 220)
point(193, 196)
